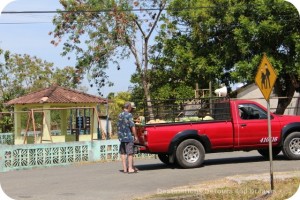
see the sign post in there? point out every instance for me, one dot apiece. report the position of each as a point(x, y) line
point(265, 80)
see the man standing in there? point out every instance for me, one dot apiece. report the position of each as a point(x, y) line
point(127, 136)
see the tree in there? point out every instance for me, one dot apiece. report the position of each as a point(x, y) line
point(21, 74)
point(177, 68)
point(165, 85)
point(228, 39)
point(111, 31)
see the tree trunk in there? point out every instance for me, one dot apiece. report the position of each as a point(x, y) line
point(148, 100)
point(282, 105)
point(284, 102)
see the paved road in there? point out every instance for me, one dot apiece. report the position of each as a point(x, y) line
point(105, 181)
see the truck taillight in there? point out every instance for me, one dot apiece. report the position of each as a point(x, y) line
point(145, 137)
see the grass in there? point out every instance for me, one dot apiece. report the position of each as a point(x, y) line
point(283, 189)
point(226, 189)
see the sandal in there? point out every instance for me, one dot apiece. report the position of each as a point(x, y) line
point(133, 172)
point(136, 169)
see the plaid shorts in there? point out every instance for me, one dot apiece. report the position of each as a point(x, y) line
point(126, 148)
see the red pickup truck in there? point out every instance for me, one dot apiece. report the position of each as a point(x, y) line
point(190, 130)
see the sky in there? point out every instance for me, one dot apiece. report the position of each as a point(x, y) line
point(32, 38)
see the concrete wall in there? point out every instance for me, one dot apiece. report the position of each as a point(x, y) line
point(28, 156)
point(252, 92)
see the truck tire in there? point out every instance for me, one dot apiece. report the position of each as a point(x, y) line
point(265, 152)
point(164, 158)
point(291, 146)
point(190, 154)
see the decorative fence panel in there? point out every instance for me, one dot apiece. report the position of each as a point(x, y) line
point(27, 156)
point(6, 138)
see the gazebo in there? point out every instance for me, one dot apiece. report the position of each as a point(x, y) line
point(62, 100)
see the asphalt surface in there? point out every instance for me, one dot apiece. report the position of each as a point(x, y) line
point(105, 181)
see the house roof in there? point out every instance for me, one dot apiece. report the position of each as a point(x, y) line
point(56, 94)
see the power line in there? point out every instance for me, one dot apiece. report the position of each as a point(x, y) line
point(103, 10)
point(93, 11)
point(86, 11)
point(17, 23)
point(78, 22)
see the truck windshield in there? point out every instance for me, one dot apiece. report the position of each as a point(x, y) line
point(251, 111)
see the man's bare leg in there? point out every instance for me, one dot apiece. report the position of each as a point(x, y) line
point(130, 163)
point(124, 162)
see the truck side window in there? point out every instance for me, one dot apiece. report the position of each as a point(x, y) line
point(251, 111)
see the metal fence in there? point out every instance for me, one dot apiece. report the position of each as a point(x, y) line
point(197, 109)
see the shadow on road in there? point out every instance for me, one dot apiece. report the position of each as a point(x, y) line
point(233, 160)
point(157, 166)
point(211, 161)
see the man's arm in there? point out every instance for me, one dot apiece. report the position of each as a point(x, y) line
point(133, 131)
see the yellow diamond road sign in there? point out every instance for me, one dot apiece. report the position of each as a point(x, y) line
point(265, 77)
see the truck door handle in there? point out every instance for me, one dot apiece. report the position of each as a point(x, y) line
point(243, 125)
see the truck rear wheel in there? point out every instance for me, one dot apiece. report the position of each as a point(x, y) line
point(190, 153)
point(291, 146)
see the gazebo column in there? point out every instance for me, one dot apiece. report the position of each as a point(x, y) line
point(63, 122)
point(46, 137)
point(95, 125)
point(17, 125)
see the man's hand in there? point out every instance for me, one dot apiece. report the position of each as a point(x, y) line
point(136, 140)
